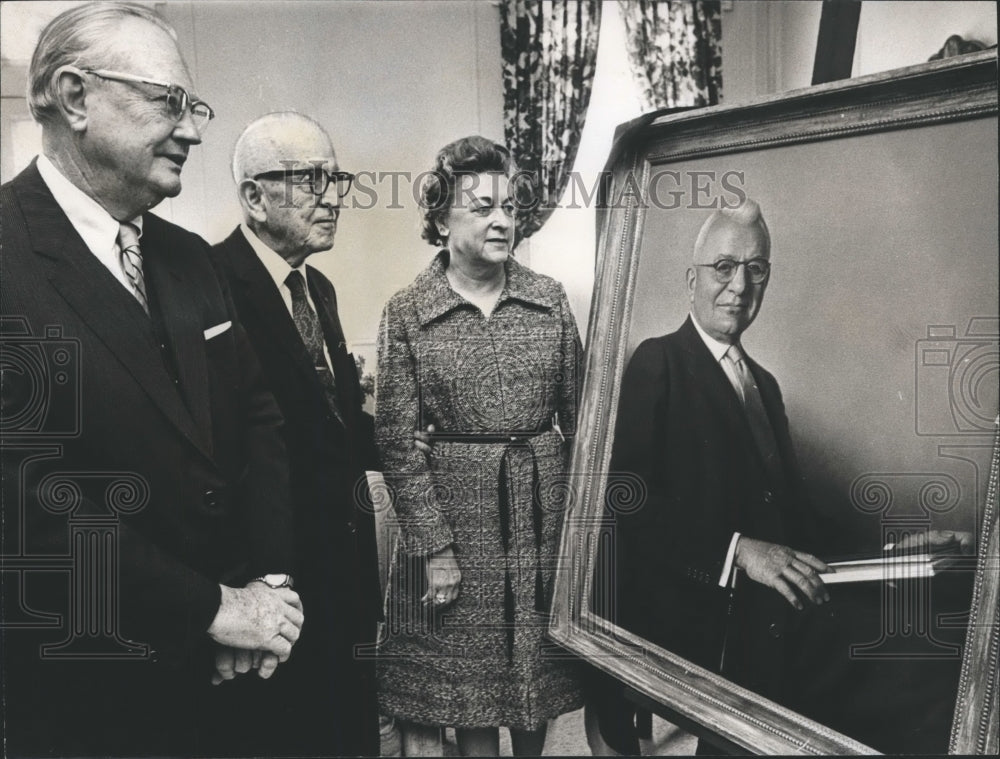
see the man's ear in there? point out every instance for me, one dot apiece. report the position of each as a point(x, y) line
point(252, 199)
point(71, 97)
point(691, 274)
point(442, 229)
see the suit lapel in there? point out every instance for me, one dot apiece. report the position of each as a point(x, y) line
point(771, 403)
point(182, 321)
point(261, 297)
point(770, 395)
point(100, 301)
point(345, 371)
point(321, 292)
point(707, 373)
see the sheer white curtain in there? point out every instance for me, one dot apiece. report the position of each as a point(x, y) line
point(565, 248)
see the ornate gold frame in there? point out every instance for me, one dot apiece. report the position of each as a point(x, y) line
point(944, 91)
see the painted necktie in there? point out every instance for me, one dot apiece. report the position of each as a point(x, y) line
point(753, 406)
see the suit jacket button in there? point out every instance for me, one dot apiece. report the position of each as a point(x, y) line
point(774, 630)
point(211, 499)
point(768, 496)
point(352, 527)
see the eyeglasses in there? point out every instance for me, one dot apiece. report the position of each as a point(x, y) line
point(177, 99)
point(315, 180)
point(725, 269)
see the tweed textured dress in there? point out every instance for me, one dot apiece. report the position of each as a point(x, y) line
point(483, 382)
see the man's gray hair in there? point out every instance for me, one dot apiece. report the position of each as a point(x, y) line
point(79, 37)
point(747, 214)
point(248, 145)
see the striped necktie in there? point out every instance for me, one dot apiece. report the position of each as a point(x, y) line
point(753, 406)
point(131, 261)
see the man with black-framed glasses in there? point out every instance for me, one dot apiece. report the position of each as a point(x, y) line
point(708, 564)
point(152, 412)
point(291, 188)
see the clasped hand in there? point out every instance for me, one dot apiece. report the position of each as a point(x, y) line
point(794, 574)
point(256, 627)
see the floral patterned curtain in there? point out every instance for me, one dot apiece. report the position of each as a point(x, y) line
point(675, 49)
point(549, 55)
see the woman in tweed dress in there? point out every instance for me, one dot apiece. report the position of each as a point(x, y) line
point(488, 353)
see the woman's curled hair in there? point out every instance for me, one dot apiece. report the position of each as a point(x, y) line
point(467, 156)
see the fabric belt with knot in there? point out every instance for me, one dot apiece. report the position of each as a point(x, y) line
point(513, 441)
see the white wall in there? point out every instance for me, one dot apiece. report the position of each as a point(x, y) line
point(770, 45)
point(894, 34)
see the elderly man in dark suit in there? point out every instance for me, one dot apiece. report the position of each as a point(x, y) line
point(290, 187)
point(155, 472)
point(703, 427)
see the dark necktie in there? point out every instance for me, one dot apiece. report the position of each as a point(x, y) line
point(753, 406)
point(311, 332)
point(131, 261)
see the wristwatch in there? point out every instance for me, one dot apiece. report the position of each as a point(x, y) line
point(275, 581)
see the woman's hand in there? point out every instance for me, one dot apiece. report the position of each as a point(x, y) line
point(423, 440)
point(443, 578)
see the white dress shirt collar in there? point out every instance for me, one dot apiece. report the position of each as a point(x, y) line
point(95, 225)
point(716, 347)
point(97, 228)
point(277, 267)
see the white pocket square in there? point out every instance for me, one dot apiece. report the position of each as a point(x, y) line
point(218, 329)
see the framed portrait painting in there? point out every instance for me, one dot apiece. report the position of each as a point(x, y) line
point(880, 326)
